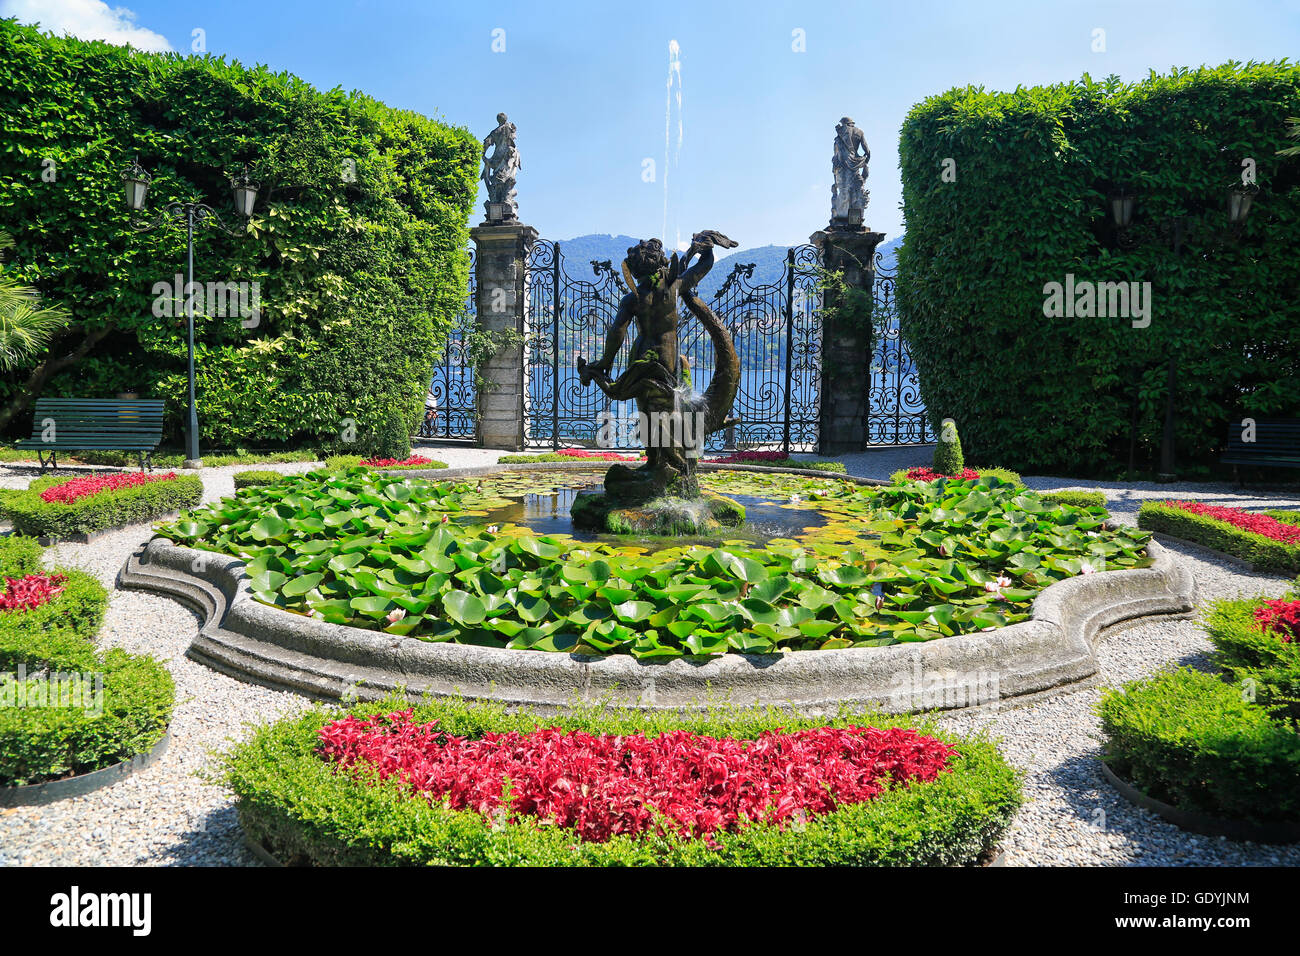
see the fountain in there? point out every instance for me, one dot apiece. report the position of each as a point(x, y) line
point(663, 496)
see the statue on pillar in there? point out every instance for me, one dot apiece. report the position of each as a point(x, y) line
point(849, 194)
point(500, 170)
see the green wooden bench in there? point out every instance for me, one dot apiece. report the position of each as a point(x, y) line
point(93, 424)
point(1276, 445)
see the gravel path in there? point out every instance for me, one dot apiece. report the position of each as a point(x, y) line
point(169, 815)
point(166, 814)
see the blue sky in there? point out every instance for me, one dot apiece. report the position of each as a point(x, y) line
point(586, 83)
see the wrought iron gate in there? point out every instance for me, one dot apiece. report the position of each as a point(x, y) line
point(453, 377)
point(775, 326)
point(895, 413)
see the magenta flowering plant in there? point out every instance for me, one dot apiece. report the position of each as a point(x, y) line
point(31, 591)
point(605, 785)
point(75, 489)
point(1261, 524)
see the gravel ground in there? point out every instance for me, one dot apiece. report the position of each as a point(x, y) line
point(169, 815)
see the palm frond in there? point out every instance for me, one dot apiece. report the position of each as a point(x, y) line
point(26, 325)
point(1294, 133)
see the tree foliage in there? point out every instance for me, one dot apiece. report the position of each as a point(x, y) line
point(359, 232)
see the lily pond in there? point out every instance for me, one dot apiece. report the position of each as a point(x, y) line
point(475, 561)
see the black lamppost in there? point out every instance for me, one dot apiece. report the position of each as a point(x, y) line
point(244, 192)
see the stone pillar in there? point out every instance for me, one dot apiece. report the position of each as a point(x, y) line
point(502, 253)
point(846, 351)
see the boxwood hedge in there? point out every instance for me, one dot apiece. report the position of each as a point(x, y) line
point(293, 803)
point(1079, 499)
point(248, 479)
point(1004, 193)
point(105, 509)
point(1263, 554)
point(40, 741)
point(1194, 741)
point(1267, 666)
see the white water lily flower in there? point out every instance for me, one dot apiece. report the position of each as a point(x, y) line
point(396, 615)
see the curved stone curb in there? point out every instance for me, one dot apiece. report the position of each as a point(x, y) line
point(39, 794)
point(266, 645)
point(1201, 823)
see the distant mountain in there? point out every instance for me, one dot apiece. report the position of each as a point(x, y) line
point(768, 261)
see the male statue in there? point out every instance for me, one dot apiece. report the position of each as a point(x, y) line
point(849, 194)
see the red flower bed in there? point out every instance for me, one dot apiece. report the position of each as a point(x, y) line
point(31, 591)
point(1281, 618)
point(750, 458)
point(414, 461)
point(78, 488)
point(1248, 521)
point(602, 786)
point(599, 455)
point(929, 474)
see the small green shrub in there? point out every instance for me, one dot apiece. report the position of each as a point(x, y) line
point(1194, 741)
point(1286, 517)
point(293, 802)
point(59, 633)
point(120, 459)
point(42, 738)
point(1002, 474)
point(40, 743)
point(19, 556)
point(1079, 499)
point(948, 459)
point(1264, 554)
point(106, 509)
point(247, 479)
point(1260, 662)
point(341, 462)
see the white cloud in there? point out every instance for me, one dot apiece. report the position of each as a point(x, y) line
point(87, 20)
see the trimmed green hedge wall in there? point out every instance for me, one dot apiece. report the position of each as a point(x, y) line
point(360, 276)
point(105, 509)
point(1034, 169)
point(293, 802)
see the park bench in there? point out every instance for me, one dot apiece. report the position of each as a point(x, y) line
point(1276, 445)
point(92, 424)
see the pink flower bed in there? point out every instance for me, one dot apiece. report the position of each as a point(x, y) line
point(1246, 520)
point(604, 785)
point(750, 458)
point(929, 474)
point(598, 455)
point(1281, 618)
point(30, 591)
point(415, 461)
point(78, 488)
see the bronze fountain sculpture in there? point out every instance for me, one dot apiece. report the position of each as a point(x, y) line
point(662, 495)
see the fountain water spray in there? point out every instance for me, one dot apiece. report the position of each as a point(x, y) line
point(674, 85)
